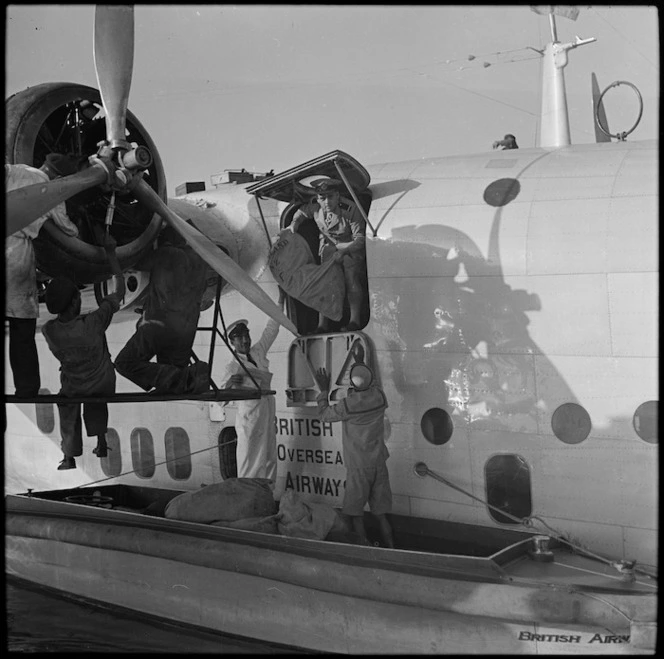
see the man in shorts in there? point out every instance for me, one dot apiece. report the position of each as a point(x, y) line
point(364, 450)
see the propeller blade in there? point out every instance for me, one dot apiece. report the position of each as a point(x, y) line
point(214, 256)
point(25, 205)
point(114, 60)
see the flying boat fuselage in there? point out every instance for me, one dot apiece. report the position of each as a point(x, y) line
point(513, 326)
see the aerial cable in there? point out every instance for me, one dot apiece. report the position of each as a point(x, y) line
point(480, 63)
point(470, 91)
point(606, 20)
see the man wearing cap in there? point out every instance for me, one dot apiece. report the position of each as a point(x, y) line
point(78, 342)
point(256, 451)
point(342, 237)
point(364, 452)
point(21, 303)
point(167, 327)
point(508, 142)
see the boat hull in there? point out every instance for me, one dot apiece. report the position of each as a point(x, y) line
point(310, 594)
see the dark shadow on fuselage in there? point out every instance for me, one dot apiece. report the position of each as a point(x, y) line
point(456, 332)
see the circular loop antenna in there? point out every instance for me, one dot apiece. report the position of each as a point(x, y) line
point(619, 136)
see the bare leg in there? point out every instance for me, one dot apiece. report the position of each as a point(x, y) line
point(385, 531)
point(358, 527)
point(355, 291)
point(323, 324)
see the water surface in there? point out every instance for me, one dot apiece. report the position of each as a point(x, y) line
point(41, 621)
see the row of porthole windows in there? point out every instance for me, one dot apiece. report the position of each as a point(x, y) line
point(176, 443)
point(178, 453)
point(570, 423)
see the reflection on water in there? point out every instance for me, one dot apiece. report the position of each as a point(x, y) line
point(40, 621)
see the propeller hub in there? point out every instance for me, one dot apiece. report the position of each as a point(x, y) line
point(138, 158)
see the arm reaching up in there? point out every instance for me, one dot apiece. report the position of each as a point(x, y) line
point(109, 246)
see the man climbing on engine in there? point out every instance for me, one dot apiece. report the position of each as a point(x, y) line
point(167, 327)
point(342, 238)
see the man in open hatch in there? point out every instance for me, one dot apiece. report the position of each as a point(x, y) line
point(342, 237)
point(79, 344)
point(364, 450)
point(167, 327)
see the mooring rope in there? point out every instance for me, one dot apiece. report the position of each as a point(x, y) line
point(528, 523)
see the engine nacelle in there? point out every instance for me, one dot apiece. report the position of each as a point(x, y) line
point(68, 118)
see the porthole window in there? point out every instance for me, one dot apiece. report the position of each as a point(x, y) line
point(111, 465)
point(142, 452)
point(45, 414)
point(227, 443)
point(507, 480)
point(437, 426)
point(645, 421)
point(571, 423)
point(178, 453)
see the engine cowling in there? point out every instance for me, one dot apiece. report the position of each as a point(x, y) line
point(68, 118)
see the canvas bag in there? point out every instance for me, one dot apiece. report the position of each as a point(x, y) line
point(321, 287)
point(304, 519)
point(235, 498)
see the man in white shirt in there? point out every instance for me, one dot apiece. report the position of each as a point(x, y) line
point(254, 422)
point(21, 303)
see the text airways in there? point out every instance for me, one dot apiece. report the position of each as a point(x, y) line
point(314, 484)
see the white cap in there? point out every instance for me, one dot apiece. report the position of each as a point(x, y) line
point(361, 376)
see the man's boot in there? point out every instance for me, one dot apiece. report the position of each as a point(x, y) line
point(101, 450)
point(198, 378)
point(171, 379)
point(67, 463)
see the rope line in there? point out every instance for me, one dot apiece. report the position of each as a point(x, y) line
point(528, 523)
point(158, 464)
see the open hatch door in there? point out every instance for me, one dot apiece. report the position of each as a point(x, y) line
point(285, 186)
point(293, 187)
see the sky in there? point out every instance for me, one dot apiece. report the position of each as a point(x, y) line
point(271, 86)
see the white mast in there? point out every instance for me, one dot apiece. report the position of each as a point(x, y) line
point(554, 120)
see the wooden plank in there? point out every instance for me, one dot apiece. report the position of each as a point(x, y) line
point(143, 397)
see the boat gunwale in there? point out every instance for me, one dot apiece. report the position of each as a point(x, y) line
point(398, 560)
point(421, 563)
